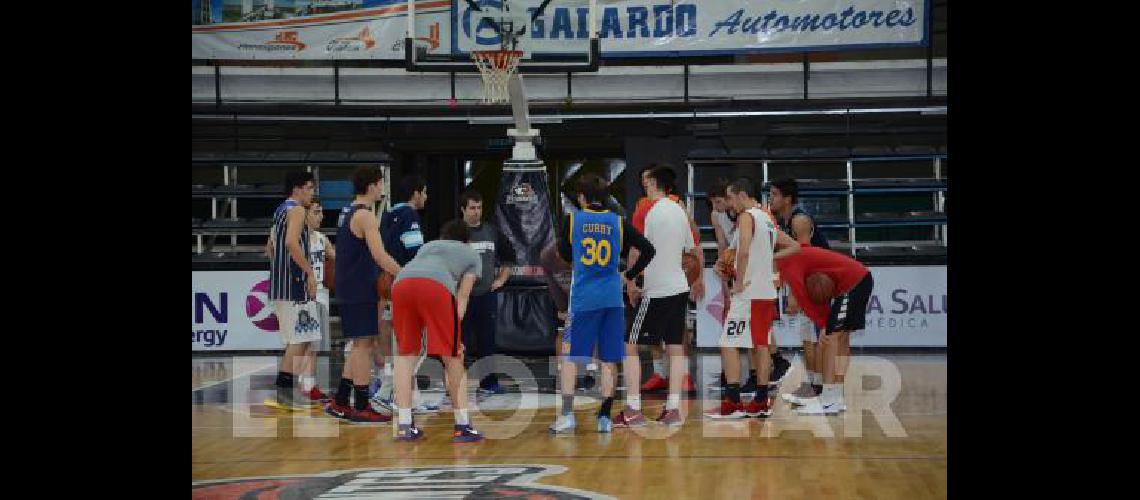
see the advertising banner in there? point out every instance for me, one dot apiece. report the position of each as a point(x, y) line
point(296, 29)
point(375, 29)
point(231, 311)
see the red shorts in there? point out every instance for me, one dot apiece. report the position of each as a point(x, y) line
point(763, 314)
point(422, 307)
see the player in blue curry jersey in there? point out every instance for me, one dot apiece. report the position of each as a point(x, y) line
point(592, 242)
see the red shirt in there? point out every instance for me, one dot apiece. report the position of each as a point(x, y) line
point(642, 210)
point(843, 270)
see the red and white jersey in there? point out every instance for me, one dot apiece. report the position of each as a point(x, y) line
point(759, 276)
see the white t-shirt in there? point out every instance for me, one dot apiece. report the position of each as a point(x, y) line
point(317, 244)
point(759, 275)
point(667, 228)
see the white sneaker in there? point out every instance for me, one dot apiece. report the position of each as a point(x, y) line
point(816, 407)
point(384, 398)
point(565, 424)
point(380, 404)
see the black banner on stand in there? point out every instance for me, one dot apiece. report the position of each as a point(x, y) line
point(523, 213)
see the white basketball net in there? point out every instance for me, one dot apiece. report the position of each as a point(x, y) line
point(496, 68)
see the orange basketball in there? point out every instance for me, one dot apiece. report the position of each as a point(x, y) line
point(330, 271)
point(820, 287)
point(384, 285)
point(692, 267)
point(727, 261)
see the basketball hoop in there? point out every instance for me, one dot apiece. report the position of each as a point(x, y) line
point(496, 67)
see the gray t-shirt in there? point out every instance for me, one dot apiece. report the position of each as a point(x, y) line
point(445, 261)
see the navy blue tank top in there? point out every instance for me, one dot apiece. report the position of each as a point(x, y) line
point(356, 270)
point(818, 240)
point(286, 280)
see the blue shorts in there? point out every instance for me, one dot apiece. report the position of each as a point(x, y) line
point(604, 328)
point(360, 320)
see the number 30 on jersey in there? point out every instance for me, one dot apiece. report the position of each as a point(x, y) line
point(596, 252)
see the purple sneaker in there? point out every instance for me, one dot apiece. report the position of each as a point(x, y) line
point(466, 434)
point(408, 432)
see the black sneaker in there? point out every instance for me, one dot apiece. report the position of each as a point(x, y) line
point(780, 368)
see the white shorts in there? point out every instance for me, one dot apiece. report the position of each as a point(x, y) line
point(288, 313)
point(806, 327)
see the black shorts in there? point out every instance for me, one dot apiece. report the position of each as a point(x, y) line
point(849, 311)
point(660, 319)
point(630, 309)
point(360, 320)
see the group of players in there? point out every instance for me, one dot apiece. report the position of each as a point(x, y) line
point(778, 247)
point(430, 292)
point(610, 312)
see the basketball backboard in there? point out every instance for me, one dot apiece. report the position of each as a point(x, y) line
point(555, 36)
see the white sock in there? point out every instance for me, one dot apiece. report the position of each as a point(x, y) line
point(659, 368)
point(673, 402)
point(404, 416)
point(307, 382)
point(388, 371)
point(814, 378)
point(633, 402)
point(461, 417)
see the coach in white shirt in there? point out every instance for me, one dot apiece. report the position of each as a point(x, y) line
point(660, 315)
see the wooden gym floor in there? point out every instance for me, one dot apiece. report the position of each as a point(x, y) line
point(242, 449)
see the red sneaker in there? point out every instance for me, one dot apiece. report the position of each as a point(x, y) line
point(316, 396)
point(727, 410)
point(628, 417)
point(655, 383)
point(757, 408)
point(338, 411)
point(670, 418)
point(369, 416)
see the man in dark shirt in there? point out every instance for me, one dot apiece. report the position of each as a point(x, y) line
point(495, 254)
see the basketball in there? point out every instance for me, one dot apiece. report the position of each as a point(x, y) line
point(384, 285)
point(820, 288)
point(330, 271)
point(727, 262)
point(692, 267)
